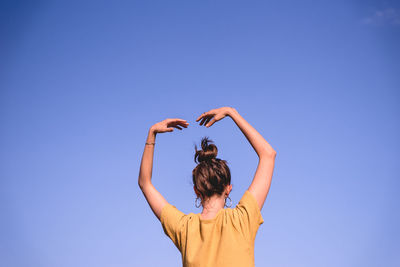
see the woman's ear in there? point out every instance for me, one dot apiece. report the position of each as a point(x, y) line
point(196, 191)
point(228, 189)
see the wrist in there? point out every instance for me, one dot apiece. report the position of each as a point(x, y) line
point(230, 111)
point(152, 131)
point(151, 137)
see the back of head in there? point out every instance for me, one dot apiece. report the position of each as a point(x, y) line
point(212, 174)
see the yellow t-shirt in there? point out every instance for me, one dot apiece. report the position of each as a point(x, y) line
point(226, 240)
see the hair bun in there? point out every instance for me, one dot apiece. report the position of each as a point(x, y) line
point(209, 151)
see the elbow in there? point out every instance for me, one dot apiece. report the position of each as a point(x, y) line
point(142, 184)
point(270, 154)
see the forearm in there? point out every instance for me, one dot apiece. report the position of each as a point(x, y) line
point(259, 144)
point(146, 165)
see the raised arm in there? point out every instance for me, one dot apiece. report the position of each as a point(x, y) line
point(153, 197)
point(261, 183)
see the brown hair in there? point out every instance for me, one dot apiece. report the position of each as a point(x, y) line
point(212, 174)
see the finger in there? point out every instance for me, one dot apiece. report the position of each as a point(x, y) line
point(178, 127)
point(183, 124)
point(207, 120)
point(174, 120)
point(211, 123)
point(203, 120)
point(180, 120)
point(170, 129)
point(201, 116)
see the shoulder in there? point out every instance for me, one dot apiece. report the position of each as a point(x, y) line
point(248, 199)
point(174, 223)
point(247, 214)
point(172, 215)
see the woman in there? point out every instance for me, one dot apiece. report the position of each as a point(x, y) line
point(218, 236)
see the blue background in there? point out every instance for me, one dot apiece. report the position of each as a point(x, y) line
point(82, 82)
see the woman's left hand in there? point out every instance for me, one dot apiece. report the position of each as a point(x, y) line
point(168, 125)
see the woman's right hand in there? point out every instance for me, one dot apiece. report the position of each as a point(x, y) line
point(168, 125)
point(215, 114)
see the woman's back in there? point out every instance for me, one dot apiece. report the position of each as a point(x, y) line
point(225, 240)
point(228, 238)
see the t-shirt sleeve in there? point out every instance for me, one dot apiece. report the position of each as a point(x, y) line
point(172, 222)
point(249, 215)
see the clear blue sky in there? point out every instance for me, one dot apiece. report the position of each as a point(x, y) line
point(81, 83)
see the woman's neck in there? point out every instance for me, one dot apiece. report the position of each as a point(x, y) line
point(212, 205)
